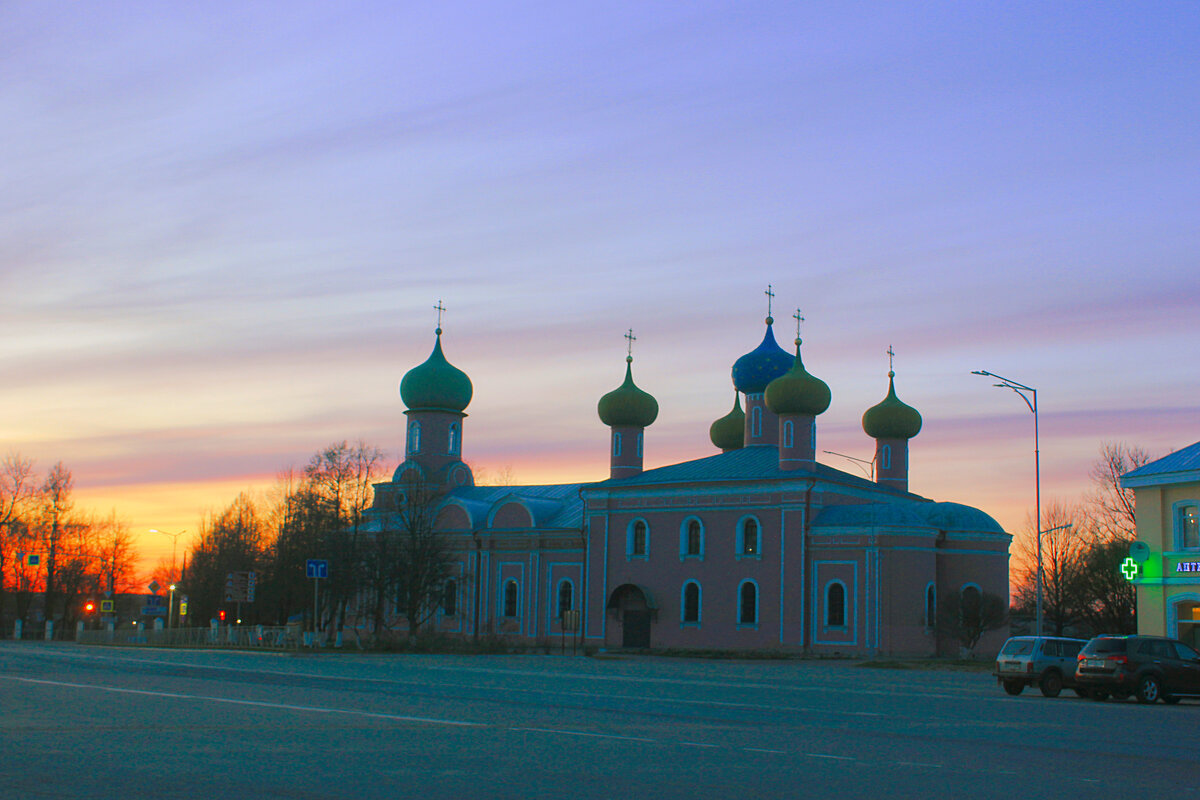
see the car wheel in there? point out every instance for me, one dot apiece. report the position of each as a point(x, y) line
point(1051, 684)
point(1148, 689)
point(1013, 687)
point(1098, 694)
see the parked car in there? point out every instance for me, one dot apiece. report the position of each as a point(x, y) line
point(1151, 667)
point(1047, 662)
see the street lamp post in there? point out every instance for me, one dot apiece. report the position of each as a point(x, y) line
point(1029, 395)
point(171, 607)
point(174, 541)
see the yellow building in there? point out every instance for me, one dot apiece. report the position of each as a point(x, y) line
point(1168, 548)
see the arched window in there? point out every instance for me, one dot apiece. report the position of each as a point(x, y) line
point(637, 542)
point(450, 598)
point(930, 606)
point(692, 539)
point(616, 444)
point(639, 444)
point(812, 435)
point(748, 538)
point(510, 599)
point(835, 605)
point(1187, 526)
point(414, 437)
point(788, 433)
point(566, 597)
point(690, 612)
point(885, 457)
point(452, 439)
point(756, 421)
point(748, 603)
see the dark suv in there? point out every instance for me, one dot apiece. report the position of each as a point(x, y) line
point(1047, 662)
point(1152, 667)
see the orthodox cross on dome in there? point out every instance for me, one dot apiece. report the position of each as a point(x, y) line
point(770, 296)
point(439, 308)
point(629, 344)
point(799, 318)
point(891, 362)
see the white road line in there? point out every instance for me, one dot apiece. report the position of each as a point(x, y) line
point(585, 733)
point(547, 692)
point(826, 755)
point(763, 750)
point(697, 744)
point(641, 680)
point(256, 703)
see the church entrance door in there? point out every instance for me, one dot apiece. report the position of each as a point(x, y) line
point(636, 629)
point(633, 607)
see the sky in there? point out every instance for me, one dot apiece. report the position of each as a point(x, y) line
point(224, 227)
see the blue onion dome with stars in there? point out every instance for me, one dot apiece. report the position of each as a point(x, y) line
point(753, 371)
point(891, 418)
point(627, 405)
point(729, 432)
point(436, 385)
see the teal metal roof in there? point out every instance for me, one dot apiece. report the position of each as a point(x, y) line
point(1182, 465)
point(746, 464)
point(553, 506)
point(917, 514)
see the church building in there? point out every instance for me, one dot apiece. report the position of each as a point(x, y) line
point(756, 547)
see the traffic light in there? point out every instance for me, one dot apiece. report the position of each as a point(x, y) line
point(221, 614)
point(89, 607)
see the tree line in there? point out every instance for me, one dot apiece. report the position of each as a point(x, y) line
point(52, 556)
point(379, 580)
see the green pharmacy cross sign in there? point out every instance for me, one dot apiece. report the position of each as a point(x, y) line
point(1129, 569)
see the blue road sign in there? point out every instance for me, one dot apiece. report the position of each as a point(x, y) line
point(316, 568)
point(154, 611)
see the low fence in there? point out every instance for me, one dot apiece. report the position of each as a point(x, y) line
point(283, 637)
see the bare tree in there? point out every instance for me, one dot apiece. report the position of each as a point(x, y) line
point(1111, 505)
point(423, 555)
point(53, 516)
point(341, 476)
point(16, 495)
point(1063, 556)
point(966, 616)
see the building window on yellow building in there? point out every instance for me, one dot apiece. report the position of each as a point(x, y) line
point(1187, 522)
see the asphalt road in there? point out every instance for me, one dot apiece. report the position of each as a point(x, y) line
point(86, 722)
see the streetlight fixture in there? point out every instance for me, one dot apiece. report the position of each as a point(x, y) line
point(1029, 395)
point(171, 607)
point(174, 541)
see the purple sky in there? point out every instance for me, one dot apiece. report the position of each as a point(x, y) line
point(225, 225)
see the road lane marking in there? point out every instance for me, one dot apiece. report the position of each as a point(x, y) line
point(764, 750)
point(584, 733)
point(697, 744)
point(827, 755)
point(906, 691)
point(473, 687)
point(256, 703)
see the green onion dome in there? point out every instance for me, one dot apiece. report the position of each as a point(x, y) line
point(627, 405)
point(729, 432)
point(436, 385)
point(891, 419)
point(797, 392)
point(753, 371)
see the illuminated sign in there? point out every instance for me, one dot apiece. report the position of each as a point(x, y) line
point(1188, 566)
point(1129, 569)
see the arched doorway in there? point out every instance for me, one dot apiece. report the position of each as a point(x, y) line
point(633, 608)
point(1187, 619)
